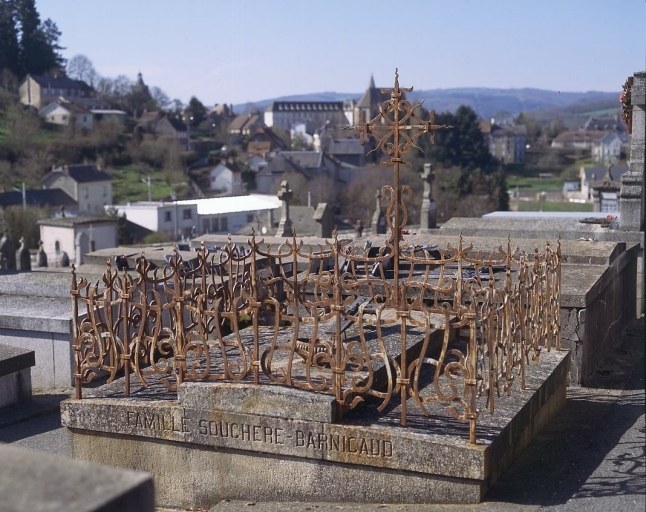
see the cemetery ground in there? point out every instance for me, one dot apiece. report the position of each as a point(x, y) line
point(589, 458)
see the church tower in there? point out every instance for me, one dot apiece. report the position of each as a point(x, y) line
point(368, 105)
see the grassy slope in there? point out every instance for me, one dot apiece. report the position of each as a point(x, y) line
point(127, 184)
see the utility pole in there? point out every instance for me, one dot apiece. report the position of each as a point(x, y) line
point(147, 181)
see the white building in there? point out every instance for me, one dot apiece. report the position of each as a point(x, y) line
point(313, 114)
point(607, 149)
point(231, 215)
point(76, 236)
point(88, 185)
point(66, 113)
point(173, 219)
point(190, 217)
point(226, 179)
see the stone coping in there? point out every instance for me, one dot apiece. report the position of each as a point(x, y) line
point(277, 401)
point(538, 228)
point(436, 445)
point(39, 482)
point(577, 281)
point(577, 251)
point(15, 359)
point(574, 251)
point(33, 313)
point(38, 284)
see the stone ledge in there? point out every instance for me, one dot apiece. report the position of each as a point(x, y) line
point(276, 401)
point(15, 375)
point(39, 482)
point(199, 455)
point(14, 359)
point(51, 315)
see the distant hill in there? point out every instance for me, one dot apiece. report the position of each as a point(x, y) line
point(485, 101)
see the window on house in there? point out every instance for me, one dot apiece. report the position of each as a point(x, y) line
point(224, 224)
point(250, 217)
point(187, 214)
point(168, 216)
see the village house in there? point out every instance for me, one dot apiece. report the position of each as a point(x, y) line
point(506, 141)
point(607, 148)
point(264, 141)
point(76, 236)
point(243, 126)
point(606, 124)
point(87, 184)
point(577, 139)
point(172, 218)
point(604, 146)
point(39, 91)
point(66, 113)
point(343, 145)
point(589, 176)
point(161, 125)
point(309, 164)
point(225, 179)
point(191, 217)
point(237, 214)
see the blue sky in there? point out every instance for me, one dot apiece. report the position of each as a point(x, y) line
point(238, 51)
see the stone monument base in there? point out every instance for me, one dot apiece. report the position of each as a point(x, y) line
point(215, 441)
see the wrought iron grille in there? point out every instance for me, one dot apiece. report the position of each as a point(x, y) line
point(418, 325)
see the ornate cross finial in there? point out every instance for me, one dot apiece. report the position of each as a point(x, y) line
point(396, 129)
point(398, 126)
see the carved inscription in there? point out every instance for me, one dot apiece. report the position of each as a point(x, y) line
point(303, 439)
point(156, 421)
point(345, 443)
point(243, 433)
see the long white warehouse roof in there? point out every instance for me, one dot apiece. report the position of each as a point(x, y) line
point(234, 204)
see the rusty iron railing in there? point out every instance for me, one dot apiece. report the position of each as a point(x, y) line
point(417, 326)
point(326, 318)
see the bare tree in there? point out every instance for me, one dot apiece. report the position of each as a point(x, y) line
point(80, 67)
point(161, 98)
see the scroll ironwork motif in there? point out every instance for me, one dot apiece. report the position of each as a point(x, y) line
point(406, 325)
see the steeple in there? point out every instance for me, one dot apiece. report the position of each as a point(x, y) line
point(371, 85)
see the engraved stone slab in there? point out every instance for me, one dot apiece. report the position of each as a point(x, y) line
point(379, 446)
point(276, 401)
point(433, 446)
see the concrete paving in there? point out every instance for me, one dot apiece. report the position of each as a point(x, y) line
point(590, 459)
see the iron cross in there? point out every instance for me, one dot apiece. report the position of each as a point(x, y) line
point(398, 126)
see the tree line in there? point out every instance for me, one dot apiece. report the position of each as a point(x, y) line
point(468, 180)
point(27, 43)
